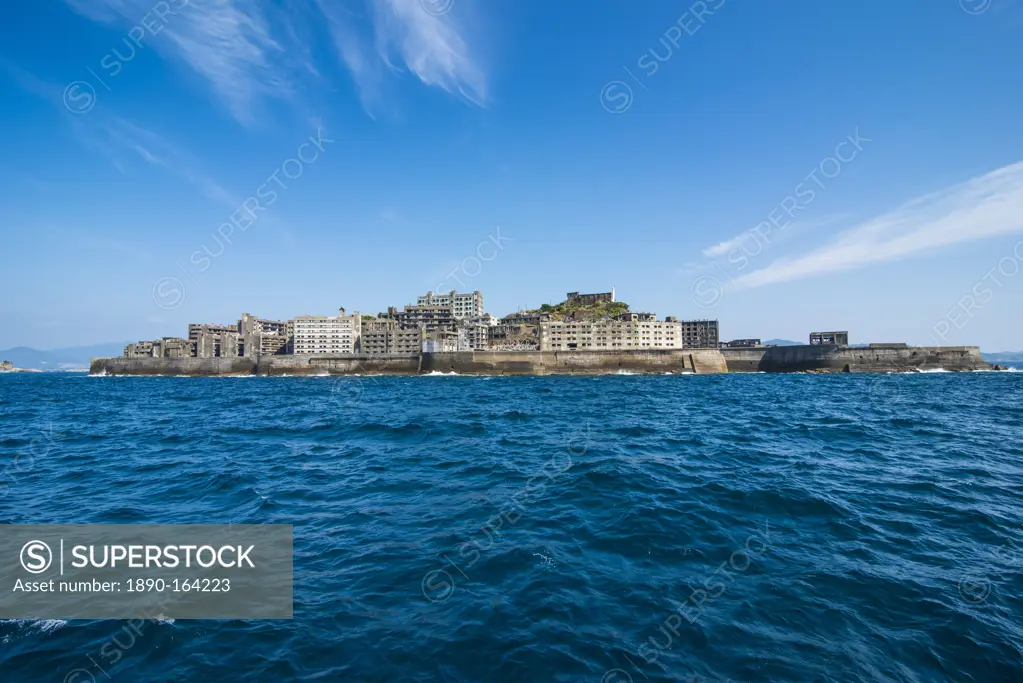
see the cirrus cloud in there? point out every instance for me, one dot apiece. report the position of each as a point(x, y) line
point(986, 206)
point(253, 51)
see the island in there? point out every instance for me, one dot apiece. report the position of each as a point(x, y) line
point(450, 333)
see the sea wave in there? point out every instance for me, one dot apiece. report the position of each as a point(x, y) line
point(825, 528)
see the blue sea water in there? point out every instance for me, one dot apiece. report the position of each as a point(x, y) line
point(831, 528)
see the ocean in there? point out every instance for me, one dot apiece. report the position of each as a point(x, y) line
point(826, 528)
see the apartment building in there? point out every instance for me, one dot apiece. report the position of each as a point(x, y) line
point(475, 336)
point(327, 334)
point(474, 333)
point(699, 334)
point(462, 306)
point(444, 341)
point(382, 335)
point(429, 317)
point(628, 334)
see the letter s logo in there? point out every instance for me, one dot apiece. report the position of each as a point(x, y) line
point(39, 557)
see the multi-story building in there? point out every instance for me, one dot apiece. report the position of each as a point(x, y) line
point(486, 320)
point(587, 299)
point(215, 341)
point(383, 335)
point(264, 337)
point(375, 335)
point(406, 341)
point(271, 345)
point(467, 305)
point(512, 338)
point(522, 318)
point(142, 349)
point(167, 347)
point(174, 347)
point(699, 334)
point(642, 317)
point(218, 344)
point(627, 334)
point(194, 329)
point(429, 317)
point(476, 336)
point(474, 333)
point(327, 334)
point(444, 341)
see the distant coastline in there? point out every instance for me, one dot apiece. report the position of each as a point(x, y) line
point(7, 366)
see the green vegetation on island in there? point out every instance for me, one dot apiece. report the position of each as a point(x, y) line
point(580, 311)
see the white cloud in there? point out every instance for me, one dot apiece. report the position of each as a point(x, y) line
point(404, 33)
point(767, 235)
point(227, 42)
point(986, 206)
point(430, 46)
point(250, 51)
point(114, 134)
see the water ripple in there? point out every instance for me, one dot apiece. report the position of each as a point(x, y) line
point(606, 529)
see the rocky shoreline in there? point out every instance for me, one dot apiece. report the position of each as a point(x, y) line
point(8, 366)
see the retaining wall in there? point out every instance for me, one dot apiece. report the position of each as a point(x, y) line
point(463, 363)
point(831, 358)
point(700, 361)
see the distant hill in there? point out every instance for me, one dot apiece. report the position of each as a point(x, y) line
point(782, 342)
point(1003, 357)
point(60, 359)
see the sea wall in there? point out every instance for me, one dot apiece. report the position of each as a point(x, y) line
point(830, 358)
point(463, 363)
point(338, 365)
point(657, 361)
point(173, 366)
point(699, 361)
point(263, 365)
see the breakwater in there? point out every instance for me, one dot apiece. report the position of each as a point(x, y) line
point(660, 361)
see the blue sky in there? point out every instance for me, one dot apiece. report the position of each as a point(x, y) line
point(783, 167)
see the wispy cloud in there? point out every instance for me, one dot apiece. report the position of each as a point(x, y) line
point(404, 36)
point(986, 206)
point(737, 242)
point(227, 42)
point(252, 51)
point(115, 136)
point(430, 46)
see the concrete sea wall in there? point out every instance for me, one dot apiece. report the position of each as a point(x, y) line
point(463, 363)
point(575, 362)
point(699, 361)
point(829, 358)
point(173, 366)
